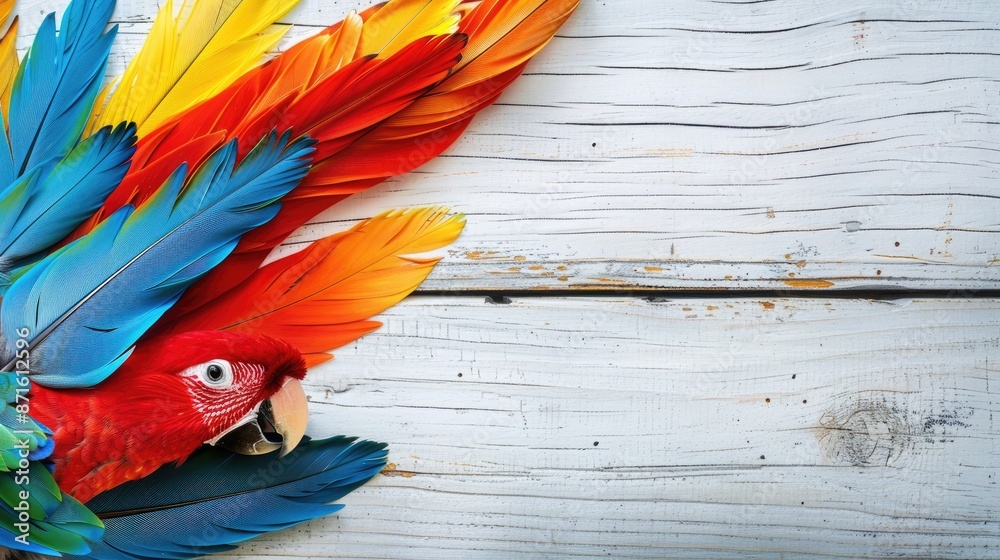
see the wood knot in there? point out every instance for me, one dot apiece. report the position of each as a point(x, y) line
point(873, 431)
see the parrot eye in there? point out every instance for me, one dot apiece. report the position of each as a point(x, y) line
point(217, 373)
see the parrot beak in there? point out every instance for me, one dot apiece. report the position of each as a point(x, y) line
point(277, 423)
point(290, 414)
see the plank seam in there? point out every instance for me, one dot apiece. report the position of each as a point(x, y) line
point(506, 296)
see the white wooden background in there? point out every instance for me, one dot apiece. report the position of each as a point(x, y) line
point(711, 154)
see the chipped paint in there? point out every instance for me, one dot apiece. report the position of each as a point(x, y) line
point(391, 470)
point(809, 284)
point(480, 255)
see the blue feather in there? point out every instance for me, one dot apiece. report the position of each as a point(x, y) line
point(67, 193)
point(217, 499)
point(86, 304)
point(13, 199)
point(56, 86)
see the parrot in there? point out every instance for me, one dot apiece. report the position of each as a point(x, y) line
point(153, 342)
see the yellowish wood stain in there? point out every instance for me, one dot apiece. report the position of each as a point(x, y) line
point(391, 470)
point(479, 255)
point(811, 284)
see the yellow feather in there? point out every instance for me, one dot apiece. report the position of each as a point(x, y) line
point(8, 65)
point(400, 22)
point(6, 7)
point(347, 43)
point(190, 56)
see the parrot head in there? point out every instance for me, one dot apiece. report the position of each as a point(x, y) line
point(243, 390)
point(237, 391)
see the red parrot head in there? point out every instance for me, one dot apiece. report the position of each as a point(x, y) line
point(227, 377)
point(238, 391)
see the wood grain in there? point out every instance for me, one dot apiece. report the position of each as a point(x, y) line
point(690, 145)
point(624, 428)
point(726, 145)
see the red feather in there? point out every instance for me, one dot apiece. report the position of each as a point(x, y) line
point(374, 116)
point(149, 395)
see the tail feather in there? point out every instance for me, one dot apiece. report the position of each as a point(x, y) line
point(230, 498)
point(86, 304)
point(56, 85)
point(63, 194)
point(9, 63)
point(367, 129)
point(189, 57)
point(331, 105)
point(399, 22)
point(320, 298)
point(502, 37)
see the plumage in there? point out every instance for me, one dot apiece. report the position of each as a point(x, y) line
point(57, 521)
point(160, 391)
point(154, 517)
point(190, 56)
point(56, 86)
point(9, 63)
point(54, 198)
point(332, 101)
point(6, 7)
point(321, 298)
point(401, 22)
point(138, 315)
point(400, 142)
point(86, 304)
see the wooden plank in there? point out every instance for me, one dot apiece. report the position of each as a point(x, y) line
point(690, 145)
point(624, 428)
point(723, 145)
point(731, 145)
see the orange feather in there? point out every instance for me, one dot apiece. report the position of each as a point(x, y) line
point(320, 298)
point(503, 35)
point(337, 108)
point(374, 114)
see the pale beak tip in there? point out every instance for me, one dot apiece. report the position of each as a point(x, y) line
point(291, 414)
